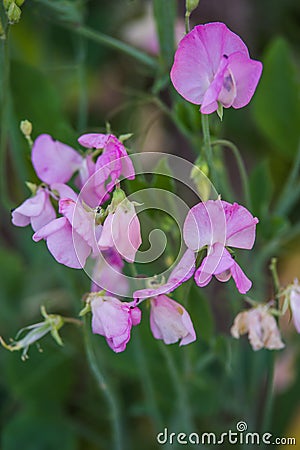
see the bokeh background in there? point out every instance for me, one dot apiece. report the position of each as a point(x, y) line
point(67, 84)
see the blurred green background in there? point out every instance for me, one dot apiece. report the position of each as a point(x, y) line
point(67, 84)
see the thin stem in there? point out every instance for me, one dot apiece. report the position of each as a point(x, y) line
point(290, 192)
point(241, 166)
point(4, 98)
point(207, 146)
point(104, 387)
point(114, 44)
point(82, 84)
point(187, 22)
point(267, 411)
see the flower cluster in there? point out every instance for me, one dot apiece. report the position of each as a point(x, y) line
point(82, 213)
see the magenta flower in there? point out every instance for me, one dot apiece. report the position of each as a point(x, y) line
point(216, 224)
point(212, 65)
point(121, 230)
point(53, 161)
point(113, 163)
point(170, 322)
point(36, 210)
point(114, 319)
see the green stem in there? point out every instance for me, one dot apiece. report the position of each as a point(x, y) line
point(104, 387)
point(4, 99)
point(207, 147)
point(291, 192)
point(82, 84)
point(114, 44)
point(268, 405)
point(241, 166)
point(187, 22)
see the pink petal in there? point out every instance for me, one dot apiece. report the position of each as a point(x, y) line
point(106, 237)
point(64, 191)
point(240, 226)
point(184, 269)
point(47, 215)
point(31, 207)
point(205, 225)
point(126, 231)
point(53, 161)
point(242, 282)
point(61, 242)
point(246, 73)
point(94, 140)
point(216, 262)
point(211, 96)
point(198, 57)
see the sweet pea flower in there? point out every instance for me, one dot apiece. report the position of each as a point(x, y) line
point(73, 237)
point(212, 66)
point(216, 224)
point(36, 210)
point(261, 327)
point(53, 161)
point(113, 319)
point(121, 228)
point(170, 322)
point(110, 165)
point(295, 303)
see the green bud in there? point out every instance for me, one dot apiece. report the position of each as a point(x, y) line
point(124, 137)
point(13, 13)
point(190, 5)
point(6, 4)
point(199, 176)
point(26, 127)
point(19, 2)
point(220, 111)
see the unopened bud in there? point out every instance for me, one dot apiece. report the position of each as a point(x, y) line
point(13, 13)
point(26, 129)
point(190, 5)
point(7, 3)
point(199, 176)
point(19, 2)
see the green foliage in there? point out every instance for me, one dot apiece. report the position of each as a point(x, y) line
point(276, 103)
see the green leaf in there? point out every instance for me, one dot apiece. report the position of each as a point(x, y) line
point(261, 188)
point(165, 13)
point(276, 103)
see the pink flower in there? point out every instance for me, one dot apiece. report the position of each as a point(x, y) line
point(261, 327)
point(113, 163)
point(295, 304)
point(114, 319)
point(212, 65)
point(170, 322)
point(216, 224)
point(121, 230)
point(53, 161)
point(73, 237)
point(36, 210)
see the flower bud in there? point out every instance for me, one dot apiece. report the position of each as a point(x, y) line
point(19, 2)
point(13, 13)
point(190, 5)
point(26, 127)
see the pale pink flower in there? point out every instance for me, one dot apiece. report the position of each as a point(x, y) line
point(295, 303)
point(114, 319)
point(121, 230)
point(73, 237)
point(212, 65)
point(261, 327)
point(53, 161)
point(36, 210)
point(170, 322)
point(216, 224)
